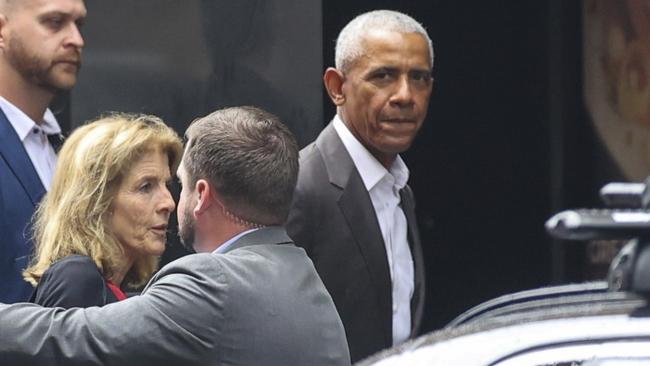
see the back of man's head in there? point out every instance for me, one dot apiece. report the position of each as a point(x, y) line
point(250, 158)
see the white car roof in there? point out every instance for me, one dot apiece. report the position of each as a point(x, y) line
point(488, 347)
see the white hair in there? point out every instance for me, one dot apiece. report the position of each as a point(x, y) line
point(349, 43)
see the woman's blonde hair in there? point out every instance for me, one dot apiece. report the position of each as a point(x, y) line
point(73, 216)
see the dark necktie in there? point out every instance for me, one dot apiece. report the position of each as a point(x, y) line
point(56, 140)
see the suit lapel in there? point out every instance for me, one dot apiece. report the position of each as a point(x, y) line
point(356, 206)
point(358, 211)
point(417, 302)
point(14, 153)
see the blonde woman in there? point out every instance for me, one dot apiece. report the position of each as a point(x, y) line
point(103, 224)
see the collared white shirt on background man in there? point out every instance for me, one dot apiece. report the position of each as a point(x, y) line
point(383, 187)
point(34, 139)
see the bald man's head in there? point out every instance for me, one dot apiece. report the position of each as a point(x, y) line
point(41, 43)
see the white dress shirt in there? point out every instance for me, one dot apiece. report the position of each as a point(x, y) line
point(383, 187)
point(34, 139)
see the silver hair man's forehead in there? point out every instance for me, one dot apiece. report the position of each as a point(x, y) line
point(349, 43)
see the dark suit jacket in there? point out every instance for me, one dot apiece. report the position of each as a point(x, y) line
point(260, 303)
point(20, 191)
point(73, 282)
point(333, 219)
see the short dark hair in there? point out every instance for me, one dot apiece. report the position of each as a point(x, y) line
point(251, 159)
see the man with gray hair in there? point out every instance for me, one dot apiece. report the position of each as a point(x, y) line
point(250, 297)
point(352, 211)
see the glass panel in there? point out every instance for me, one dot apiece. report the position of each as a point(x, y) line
point(181, 59)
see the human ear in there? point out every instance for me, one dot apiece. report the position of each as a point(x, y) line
point(333, 80)
point(205, 198)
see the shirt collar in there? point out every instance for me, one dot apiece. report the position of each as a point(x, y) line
point(369, 167)
point(224, 247)
point(23, 124)
point(400, 171)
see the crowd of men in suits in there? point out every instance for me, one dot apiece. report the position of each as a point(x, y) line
point(352, 212)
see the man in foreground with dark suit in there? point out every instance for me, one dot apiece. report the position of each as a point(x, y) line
point(352, 210)
point(40, 55)
point(251, 297)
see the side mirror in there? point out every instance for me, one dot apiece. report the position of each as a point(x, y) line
point(626, 218)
